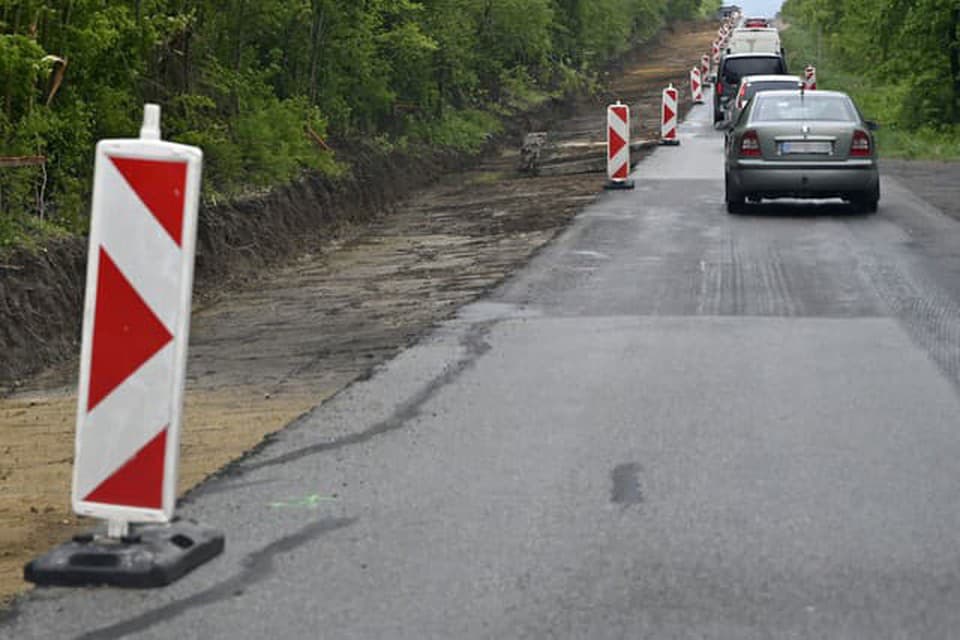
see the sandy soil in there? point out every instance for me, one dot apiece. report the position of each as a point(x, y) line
point(263, 355)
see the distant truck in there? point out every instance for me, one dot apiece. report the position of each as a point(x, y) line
point(766, 40)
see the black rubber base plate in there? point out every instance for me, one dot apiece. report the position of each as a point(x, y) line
point(151, 556)
point(619, 184)
point(669, 143)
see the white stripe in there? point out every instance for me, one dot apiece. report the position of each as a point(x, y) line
point(127, 419)
point(142, 249)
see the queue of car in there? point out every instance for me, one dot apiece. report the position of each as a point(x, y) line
point(782, 139)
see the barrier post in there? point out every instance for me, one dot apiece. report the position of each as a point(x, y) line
point(618, 146)
point(810, 78)
point(704, 67)
point(696, 86)
point(668, 119)
point(136, 322)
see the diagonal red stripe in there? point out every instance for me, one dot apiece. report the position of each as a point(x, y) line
point(126, 332)
point(160, 186)
point(667, 113)
point(616, 143)
point(620, 112)
point(139, 481)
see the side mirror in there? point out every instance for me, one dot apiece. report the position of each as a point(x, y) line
point(872, 125)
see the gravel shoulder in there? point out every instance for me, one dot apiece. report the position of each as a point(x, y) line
point(936, 182)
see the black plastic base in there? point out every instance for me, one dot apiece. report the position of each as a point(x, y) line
point(619, 184)
point(152, 555)
point(670, 143)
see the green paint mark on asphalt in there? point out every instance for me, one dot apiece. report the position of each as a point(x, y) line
point(308, 502)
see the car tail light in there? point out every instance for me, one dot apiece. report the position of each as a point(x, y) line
point(741, 96)
point(719, 88)
point(750, 144)
point(860, 146)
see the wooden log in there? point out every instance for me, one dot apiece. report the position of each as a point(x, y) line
point(22, 161)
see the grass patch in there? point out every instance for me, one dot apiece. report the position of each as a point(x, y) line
point(486, 178)
point(27, 232)
point(468, 130)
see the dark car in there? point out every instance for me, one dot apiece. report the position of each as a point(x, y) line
point(727, 10)
point(735, 66)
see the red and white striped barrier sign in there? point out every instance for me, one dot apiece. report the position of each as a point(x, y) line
point(715, 50)
point(135, 326)
point(696, 86)
point(704, 66)
point(810, 78)
point(618, 145)
point(668, 117)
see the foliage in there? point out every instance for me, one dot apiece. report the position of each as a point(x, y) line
point(894, 59)
point(910, 46)
point(261, 85)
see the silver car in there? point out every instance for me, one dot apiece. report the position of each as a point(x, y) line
point(752, 85)
point(801, 144)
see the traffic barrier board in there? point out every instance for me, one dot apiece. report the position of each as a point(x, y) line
point(618, 146)
point(668, 119)
point(135, 328)
point(696, 86)
point(136, 321)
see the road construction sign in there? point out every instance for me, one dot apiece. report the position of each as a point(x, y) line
point(135, 327)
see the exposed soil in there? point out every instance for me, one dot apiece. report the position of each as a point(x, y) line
point(293, 335)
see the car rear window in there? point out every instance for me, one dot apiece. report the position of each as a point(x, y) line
point(806, 107)
point(736, 68)
point(756, 87)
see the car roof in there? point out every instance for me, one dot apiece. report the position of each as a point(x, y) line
point(734, 56)
point(779, 77)
point(754, 29)
point(769, 95)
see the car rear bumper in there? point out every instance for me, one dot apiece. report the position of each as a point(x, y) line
point(804, 179)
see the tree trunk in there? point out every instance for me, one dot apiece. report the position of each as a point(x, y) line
point(955, 63)
point(316, 37)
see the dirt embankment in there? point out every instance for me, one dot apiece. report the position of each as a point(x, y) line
point(376, 262)
point(41, 292)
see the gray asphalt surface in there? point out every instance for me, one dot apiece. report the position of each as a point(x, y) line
point(674, 423)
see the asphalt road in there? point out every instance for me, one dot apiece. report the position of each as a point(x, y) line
point(675, 423)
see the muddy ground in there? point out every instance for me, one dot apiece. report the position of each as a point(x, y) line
point(268, 351)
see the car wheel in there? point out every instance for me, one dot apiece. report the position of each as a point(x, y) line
point(868, 202)
point(733, 197)
point(717, 116)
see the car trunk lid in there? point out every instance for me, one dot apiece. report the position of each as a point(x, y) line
point(791, 141)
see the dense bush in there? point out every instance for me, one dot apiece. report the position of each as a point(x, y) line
point(261, 84)
point(908, 49)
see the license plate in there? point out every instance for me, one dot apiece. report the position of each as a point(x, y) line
point(806, 146)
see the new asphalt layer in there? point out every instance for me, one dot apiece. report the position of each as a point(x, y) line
point(674, 423)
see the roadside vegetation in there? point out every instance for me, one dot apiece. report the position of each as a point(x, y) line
point(269, 87)
point(899, 59)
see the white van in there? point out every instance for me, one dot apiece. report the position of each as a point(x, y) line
point(754, 41)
